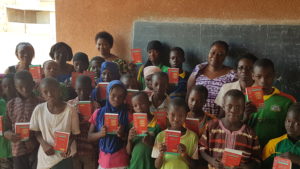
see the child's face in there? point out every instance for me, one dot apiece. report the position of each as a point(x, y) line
point(60, 56)
point(153, 55)
point(25, 54)
point(83, 91)
point(196, 101)
point(106, 75)
point(24, 87)
point(175, 59)
point(132, 68)
point(141, 104)
point(96, 67)
point(216, 56)
point(176, 116)
point(292, 124)
point(263, 77)
point(148, 82)
point(80, 66)
point(245, 69)
point(51, 69)
point(8, 89)
point(50, 93)
point(117, 96)
point(234, 109)
point(103, 46)
point(159, 85)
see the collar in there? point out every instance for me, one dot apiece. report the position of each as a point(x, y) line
point(276, 91)
point(182, 75)
point(152, 123)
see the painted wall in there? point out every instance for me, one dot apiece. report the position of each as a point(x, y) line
point(79, 20)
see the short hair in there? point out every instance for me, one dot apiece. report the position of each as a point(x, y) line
point(155, 45)
point(50, 81)
point(80, 56)
point(248, 56)
point(161, 75)
point(178, 102)
point(47, 62)
point(221, 43)
point(201, 89)
point(97, 59)
point(142, 94)
point(265, 63)
point(295, 107)
point(25, 44)
point(236, 94)
point(24, 75)
point(60, 45)
point(180, 51)
point(106, 36)
point(85, 80)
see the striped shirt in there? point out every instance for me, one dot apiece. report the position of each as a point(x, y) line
point(216, 138)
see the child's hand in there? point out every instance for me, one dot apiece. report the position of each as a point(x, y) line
point(132, 134)
point(149, 139)
point(290, 156)
point(181, 149)
point(13, 137)
point(102, 132)
point(66, 154)
point(250, 108)
point(120, 131)
point(48, 149)
point(217, 164)
point(162, 148)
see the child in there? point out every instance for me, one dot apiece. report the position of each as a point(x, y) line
point(49, 117)
point(188, 147)
point(155, 58)
point(8, 87)
point(196, 101)
point(112, 146)
point(276, 104)
point(148, 72)
point(80, 62)
point(230, 132)
point(20, 109)
point(61, 53)
point(25, 53)
point(176, 60)
point(129, 81)
point(139, 147)
point(95, 66)
point(159, 99)
point(286, 146)
point(132, 69)
point(86, 154)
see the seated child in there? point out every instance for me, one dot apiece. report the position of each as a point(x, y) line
point(8, 87)
point(20, 109)
point(25, 53)
point(230, 132)
point(159, 99)
point(80, 62)
point(129, 81)
point(62, 53)
point(112, 146)
point(196, 101)
point(286, 146)
point(140, 147)
point(49, 117)
point(95, 66)
point(188, 147)
point(148, 72)
point(176, 60)
point(276, 104)
point(86, 154)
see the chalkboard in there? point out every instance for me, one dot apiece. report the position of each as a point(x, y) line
point(280, 43)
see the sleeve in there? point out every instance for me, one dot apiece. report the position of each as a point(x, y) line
point(93, 118)
point(269, 150)
point(8, 124)
point(256, 151)
point(75, 122)
point(203, 141)
point(155, 150)
point(34, 120)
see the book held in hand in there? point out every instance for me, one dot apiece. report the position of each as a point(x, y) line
point(282, 163)
point(136, 55)
point(36, 72)
point(130, 93)
point(173, 74)
point(102, 90)
point(61, 141)
point(85, 109)
point(192, 124)
point(111, 122)
point(23, 130)
point(161, 119)
point(1, 125)
point(255, 95)
point(172, 141)
point(140, 123)
point(231, 157)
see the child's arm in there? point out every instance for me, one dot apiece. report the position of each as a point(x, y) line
point(93, 135)
point(129, 146)
point(215, 162)
point(294, 158)
point(249, 109)
point(187, 159)
point(160, 159)
point(121, 132)
point(71, 139)
point(48, 149)
point(8, 134)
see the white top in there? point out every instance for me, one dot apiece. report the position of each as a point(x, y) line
point(224, 89)
point(46, 122)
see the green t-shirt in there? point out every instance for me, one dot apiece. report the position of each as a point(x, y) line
point(5, 146)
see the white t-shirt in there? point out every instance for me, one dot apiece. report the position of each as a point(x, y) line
point(46, 122)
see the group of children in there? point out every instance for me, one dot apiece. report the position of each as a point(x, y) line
point(51, 105)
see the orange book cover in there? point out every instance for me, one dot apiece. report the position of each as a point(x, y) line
point(192, 124)
point(86, 109)
point(136, 55)
point(140, 123)
point(172, 141)
point(161, 119)
point(231, 157)
point(74, 77)
point(36, 72)
point(61, 141)
point(255, 95)
point(23, 130)
point(1, 125)
point(111, 122)
point(281, 163)
point(130, 93)
point(173, 74)
point(102, 90)
point(92, 75)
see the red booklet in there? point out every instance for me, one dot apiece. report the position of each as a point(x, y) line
point(173, 74)
point(92, 75)
point(161, 119)
point(74, 77)
point(130, 93)
point(86, 109)
point(1, 125)
point(192, 124)
point(102, 90)
point(255, 95)
point(231, 157)
point(281, 163)
point(172, 141)
point(61, 141)
point(36, 72)
point(111, 122)
point(23, 130)
point(140, 123)
point(137, 56)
